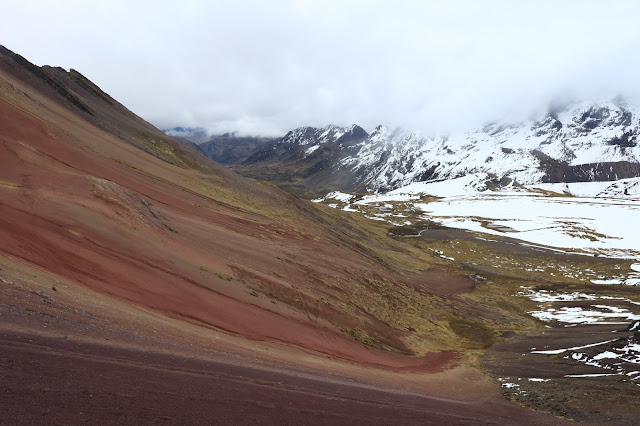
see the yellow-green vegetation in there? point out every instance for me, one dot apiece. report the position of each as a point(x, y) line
point(392, 311)
point(8, 184)
point(499, 269)
point(170, 152)
point(224, 277)
point(363, 337)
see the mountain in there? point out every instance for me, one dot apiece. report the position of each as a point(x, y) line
point(130, 261)
point(94, 195)
point(231, 149)
point(306, 160)
point(82, 97)
point(195, 135)
point(578, 142)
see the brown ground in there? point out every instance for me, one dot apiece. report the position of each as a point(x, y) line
point(609, 399)
point(54, 381)
point(69, 356)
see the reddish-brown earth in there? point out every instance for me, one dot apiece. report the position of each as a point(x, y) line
point(136, 291)
point(54, 381)
point(70, 356)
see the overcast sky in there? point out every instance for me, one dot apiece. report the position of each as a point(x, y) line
point(264, 67)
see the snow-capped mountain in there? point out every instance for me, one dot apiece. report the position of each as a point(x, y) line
point(580, 142)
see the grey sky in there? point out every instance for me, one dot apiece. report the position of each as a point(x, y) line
point(264, 67)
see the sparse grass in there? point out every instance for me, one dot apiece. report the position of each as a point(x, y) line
point(224, 277)
point(363, 337)
point(376, 309)
point(9, 184)
point(477, 334)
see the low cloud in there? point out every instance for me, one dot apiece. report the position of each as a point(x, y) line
point(266, 67)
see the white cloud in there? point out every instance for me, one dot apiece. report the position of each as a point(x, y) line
point(266, 67)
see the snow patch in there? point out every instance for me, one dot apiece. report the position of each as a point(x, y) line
point(559, 351)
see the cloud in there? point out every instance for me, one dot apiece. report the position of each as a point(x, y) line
point(266, 67)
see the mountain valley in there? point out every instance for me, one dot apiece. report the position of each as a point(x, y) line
point(143, 282)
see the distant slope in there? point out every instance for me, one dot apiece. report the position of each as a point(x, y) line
point(196, 135)
point(305, 161)
point(231, 149)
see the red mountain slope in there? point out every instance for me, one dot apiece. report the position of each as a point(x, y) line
point(116, 240)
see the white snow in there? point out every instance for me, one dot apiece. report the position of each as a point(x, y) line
point(559, 351)
point(621, 360)
point(465, 185)
point(335, 195)
point(605, 355)
point(583, 224)
point(624, 188)
point(591, 375)
point(600, 226)
point(551, 296)
point(590, 225)
point(612, 281)
point(311, 150)
point(578, 315)
point(510, 385)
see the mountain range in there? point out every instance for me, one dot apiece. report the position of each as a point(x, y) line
point(574, 142)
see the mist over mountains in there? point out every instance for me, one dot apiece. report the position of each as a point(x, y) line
point(570, 142)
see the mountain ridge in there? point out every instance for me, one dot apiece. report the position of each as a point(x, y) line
point(579, 142)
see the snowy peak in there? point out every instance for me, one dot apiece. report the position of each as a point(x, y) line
point(352, 136)
point(312, 135)
point(328, 134)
